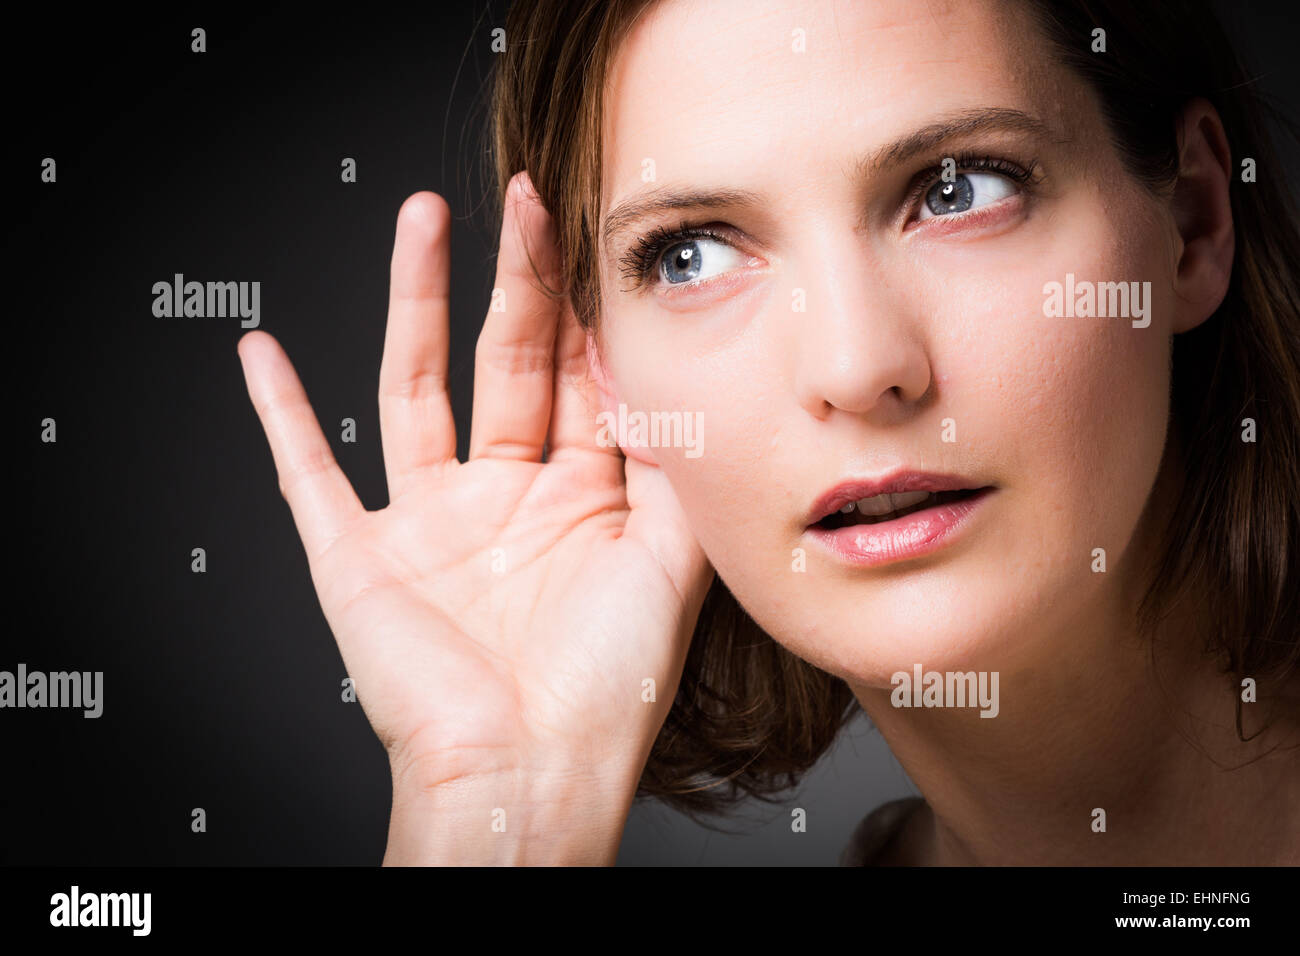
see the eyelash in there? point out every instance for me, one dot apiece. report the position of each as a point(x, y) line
point(968, 162)
point(642, 259)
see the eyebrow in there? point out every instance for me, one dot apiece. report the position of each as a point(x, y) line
point(667, 198)
point(925, 140)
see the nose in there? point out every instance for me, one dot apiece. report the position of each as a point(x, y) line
point(860, 344)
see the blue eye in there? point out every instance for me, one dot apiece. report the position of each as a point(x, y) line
point(967, 191)
point(682, 262)
point(696, 259)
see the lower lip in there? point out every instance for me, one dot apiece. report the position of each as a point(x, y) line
point(911, 536)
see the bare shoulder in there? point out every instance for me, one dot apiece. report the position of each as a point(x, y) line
point(874, 840)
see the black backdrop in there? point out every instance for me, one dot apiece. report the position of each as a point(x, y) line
point(222, 689)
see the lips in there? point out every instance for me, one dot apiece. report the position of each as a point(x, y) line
point(903, 516)
point(903, 491)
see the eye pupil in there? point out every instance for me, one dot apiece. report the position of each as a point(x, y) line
point(684, 265)
point(956, 196)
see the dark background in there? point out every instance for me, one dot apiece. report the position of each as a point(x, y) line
point(222, 690)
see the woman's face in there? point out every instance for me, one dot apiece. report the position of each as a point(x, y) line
point(853, 318)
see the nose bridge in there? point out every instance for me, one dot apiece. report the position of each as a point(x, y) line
point(860, 341)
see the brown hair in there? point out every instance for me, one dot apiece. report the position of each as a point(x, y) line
point(749, 717)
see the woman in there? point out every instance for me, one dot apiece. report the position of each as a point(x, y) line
point(988, 339)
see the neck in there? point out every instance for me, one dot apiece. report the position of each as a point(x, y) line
point(1158, 753)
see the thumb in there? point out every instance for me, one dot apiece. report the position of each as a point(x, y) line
point(658, 522)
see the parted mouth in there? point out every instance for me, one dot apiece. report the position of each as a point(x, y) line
point(880, 508)
point(885, 499)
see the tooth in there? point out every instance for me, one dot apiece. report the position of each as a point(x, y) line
point(908, 498)
point(884, 504)
point(877, 505)
point(847, 508)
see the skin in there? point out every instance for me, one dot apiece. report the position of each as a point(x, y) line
point(520, 688)
point(505, 689)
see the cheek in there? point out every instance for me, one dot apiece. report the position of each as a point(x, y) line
point(720, 366)
point(1070, 410)
point(729, 490)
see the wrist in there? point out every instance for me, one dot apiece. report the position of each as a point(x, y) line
point(508, 818)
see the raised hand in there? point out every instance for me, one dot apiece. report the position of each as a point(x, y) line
point(500, 615)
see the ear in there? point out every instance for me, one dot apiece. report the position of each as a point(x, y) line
point(609, 400)
point(1202, 213)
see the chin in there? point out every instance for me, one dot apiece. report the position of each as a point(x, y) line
point(965, 616)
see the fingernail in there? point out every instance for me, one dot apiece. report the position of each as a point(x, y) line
point(523, 186)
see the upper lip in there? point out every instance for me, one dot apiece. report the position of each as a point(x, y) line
point(896, 482)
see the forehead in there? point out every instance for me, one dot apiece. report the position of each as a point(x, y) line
point(730, 91)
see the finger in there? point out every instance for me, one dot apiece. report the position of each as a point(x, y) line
point(416, 427)
point(576, 399)
point(515, 357)
point(320, 497)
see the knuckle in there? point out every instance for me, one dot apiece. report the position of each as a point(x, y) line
point(306, 468)
point(514, 357)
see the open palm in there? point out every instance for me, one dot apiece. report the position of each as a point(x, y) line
point(501, 614)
